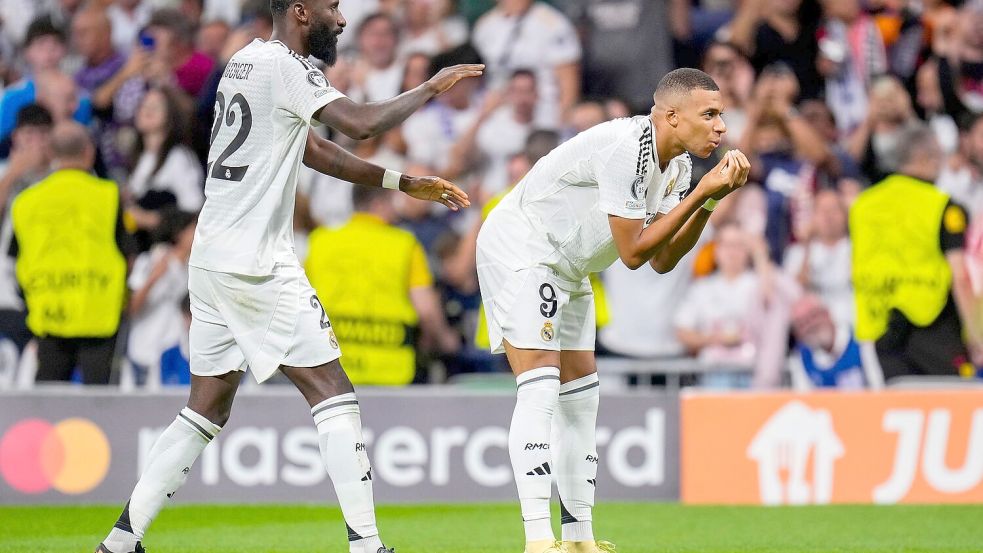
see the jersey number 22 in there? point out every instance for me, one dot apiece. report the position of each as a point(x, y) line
point(217, 169)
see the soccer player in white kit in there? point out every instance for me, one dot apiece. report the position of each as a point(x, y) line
point(613, 191)
point(251, 303)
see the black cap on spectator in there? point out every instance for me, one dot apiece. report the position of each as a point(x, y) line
point(41, 27)
point(174, 21)
point(464, 54)
point(34, 115)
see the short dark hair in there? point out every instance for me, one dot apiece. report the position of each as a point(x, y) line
point(34, 115)
point(41, 27)
point(363, 196)
point(539, 143)
point(377, 16)
point(280, 7)
point(523, 72)
point(174, 21)
point(172, 222)
point(463, 54)
point(685, 80)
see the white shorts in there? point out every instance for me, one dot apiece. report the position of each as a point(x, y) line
point(533, 308)
point(240, 321)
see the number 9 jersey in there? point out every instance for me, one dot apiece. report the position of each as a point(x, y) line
point(266, 100)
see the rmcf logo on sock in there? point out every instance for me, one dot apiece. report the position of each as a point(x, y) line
point(71, 456)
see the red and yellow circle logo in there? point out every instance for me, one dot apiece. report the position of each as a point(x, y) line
point(71, 456)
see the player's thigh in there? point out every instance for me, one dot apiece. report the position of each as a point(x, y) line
point(577, 334)
point(321, 382)
point(523, 360)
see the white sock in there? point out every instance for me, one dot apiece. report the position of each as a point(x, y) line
point(575, 455)
point(171, 458)
point(339, 429)
point(529, 443)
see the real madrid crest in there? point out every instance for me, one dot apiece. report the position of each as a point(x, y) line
point(547, 332)
point(333, 339)
point(672, 183)
point(638, 188)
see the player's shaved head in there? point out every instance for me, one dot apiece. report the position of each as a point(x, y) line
point(681, 82)
point(279, 7)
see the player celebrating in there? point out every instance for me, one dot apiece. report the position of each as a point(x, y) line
point(612, 191)
point(251, 303)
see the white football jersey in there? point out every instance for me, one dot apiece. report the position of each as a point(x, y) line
point(558, 214)
point(264, 108)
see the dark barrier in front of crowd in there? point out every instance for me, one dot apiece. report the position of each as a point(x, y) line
point(426, 445)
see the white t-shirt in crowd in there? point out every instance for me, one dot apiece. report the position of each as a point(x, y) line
point(558, 214)
point(449, 33)
point(126, 26)
point(829, 275)
point(380, 84)
point(716, 304)
point(160, 323)
point(431, 133)
point(540, 39)
point(180, 175)
point(499, 138)
point(268, 96)
point(642, 304)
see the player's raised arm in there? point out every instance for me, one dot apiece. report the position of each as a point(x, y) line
point(327, 157)
point(361, 121)
point(670, 236)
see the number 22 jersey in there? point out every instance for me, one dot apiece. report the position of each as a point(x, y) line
point(266, 100)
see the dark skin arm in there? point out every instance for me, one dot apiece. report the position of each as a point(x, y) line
point(663, 243)
point(327, 157)
point(361, 121)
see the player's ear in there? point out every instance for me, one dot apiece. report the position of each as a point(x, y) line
point(300, 10)
point(672, 117)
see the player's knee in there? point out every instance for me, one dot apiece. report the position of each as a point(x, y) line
point(217, 413)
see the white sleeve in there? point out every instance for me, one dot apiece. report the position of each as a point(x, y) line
point(141, 271)
point(615, 170)
point(303, 88)
point(687, 316)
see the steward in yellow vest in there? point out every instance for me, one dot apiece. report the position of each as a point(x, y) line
point(373, 279)
point(908, 276)
point(69, 265)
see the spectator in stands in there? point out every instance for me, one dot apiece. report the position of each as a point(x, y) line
point(961, 62)
point(431, 132)
point(499, 132)
point(44, 49)
point(175, 362)
point(781, 30)
point(622, 56)
point(733, 73)
point(841, 164)
point(826, 353)
point(875, 143)
point(428, 28)
point(166, 172)
point(73, 281)
point(784, 150)
point(29, 162)
point(415, 72)
point(913, 293)
point(529, 34)
point(738, 316)
point(929, 97)
point(374, 280)
point(820, 262)
point(851, 54)
point(174, 59)
point(583, 116)
point(211, 38)
point(158, 283)
point(962, 174)
point(378, 72)
point(128, 17)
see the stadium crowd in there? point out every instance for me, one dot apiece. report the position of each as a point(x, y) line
point(826, 98)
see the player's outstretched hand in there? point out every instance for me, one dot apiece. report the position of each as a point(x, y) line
point(448, 76)
point(435, 189)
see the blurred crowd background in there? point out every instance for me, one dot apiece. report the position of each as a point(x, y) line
point(826, 98)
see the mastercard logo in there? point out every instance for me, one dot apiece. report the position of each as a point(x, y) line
point(71, 456)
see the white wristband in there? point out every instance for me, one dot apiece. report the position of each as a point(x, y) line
point(391, 179)
point(710, 204)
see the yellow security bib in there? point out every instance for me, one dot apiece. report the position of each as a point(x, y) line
point(897, 260)
point(363, 272)
point(68, 263)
